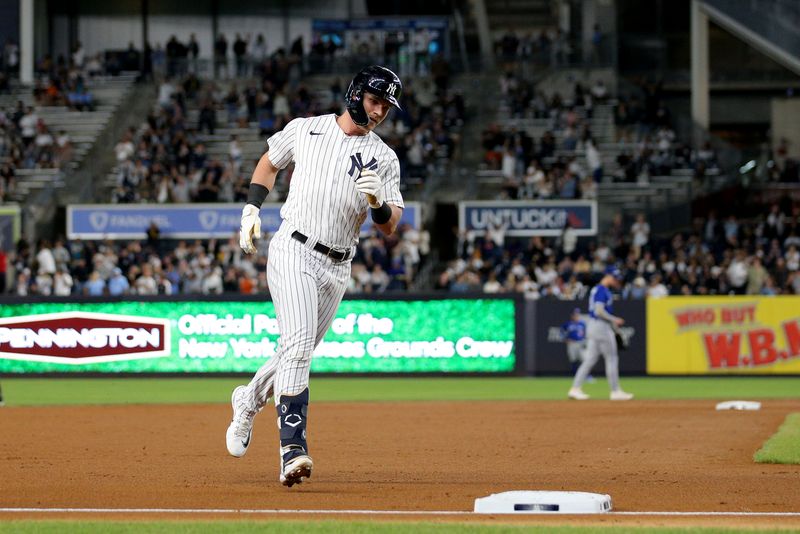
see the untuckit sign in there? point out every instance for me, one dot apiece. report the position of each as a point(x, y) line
point(529, 218)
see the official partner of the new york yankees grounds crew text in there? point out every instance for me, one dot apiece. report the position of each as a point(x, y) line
point(342, 171)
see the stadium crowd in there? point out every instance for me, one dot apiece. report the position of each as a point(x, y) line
point(27, 143)
point(166, 159)
point(566, 161)
point(159, 266)
point(719, 256)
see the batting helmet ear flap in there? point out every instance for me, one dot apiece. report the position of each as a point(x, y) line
point(354, 99)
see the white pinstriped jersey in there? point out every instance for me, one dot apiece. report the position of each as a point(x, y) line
point(323, 200)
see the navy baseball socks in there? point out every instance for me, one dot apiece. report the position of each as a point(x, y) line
point(296, 464)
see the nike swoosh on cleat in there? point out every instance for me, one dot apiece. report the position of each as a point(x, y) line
point(316, 133)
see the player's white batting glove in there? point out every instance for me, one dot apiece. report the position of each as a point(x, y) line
point(250, 229)
point(371, 185)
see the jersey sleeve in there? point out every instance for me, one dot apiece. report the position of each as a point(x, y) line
point(281, 145)
point(391, 182)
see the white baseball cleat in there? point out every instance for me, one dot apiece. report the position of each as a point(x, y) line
point(620, 395)
point(237, 438)
point(295, 470)
point(577, 394)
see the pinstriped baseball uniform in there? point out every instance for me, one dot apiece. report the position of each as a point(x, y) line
point(323, 204)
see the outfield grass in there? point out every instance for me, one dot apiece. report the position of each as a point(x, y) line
point(784, 446)
point(326, 527)
point(50, 391)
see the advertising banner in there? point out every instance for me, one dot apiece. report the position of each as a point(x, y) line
point(367, 336)
point(550, 350)
point(529, 218)
point(181, 221)
point(723, 335)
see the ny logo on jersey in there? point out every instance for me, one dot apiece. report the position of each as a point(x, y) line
point(356, 164)
point(391, 89)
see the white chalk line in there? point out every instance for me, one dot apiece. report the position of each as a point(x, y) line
point(368, 512)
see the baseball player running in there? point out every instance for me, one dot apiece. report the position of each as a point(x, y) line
point(574, 332)
point(600, 335)
point(342, 171)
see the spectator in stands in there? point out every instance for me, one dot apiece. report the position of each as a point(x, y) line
point(193, 54)
point(145, 283)
point(118, 284)
point(737, 273)
point(95, 286)
point(599, 91)
point(756, 276)
point(220, 56)
point(27, 125)
point(62, 283)
point(594, 161)
point(640, 232)
point(240, 52)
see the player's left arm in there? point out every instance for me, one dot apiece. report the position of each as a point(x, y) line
point(390, 226)
point(392, 196)
point(382, 190)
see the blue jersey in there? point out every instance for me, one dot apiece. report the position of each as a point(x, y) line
point(574, 330)
point(602, 294)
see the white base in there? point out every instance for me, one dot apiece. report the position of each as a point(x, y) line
point(543, 502)
point(739, 405)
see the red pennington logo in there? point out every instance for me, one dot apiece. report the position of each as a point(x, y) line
point(79, 338)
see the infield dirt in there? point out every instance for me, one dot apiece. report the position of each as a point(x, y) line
point(648, 455)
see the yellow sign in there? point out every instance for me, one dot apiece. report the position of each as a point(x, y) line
point(723, 335)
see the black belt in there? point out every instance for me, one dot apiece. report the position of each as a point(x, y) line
point(338, 255)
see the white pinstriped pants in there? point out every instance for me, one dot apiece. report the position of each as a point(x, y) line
point(306, 288)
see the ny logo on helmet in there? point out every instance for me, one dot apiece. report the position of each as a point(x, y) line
point(391, 89)
point(356, 164)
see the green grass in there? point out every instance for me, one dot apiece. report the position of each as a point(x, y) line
point(784, 446)
point(324, 527)
point(50, 391)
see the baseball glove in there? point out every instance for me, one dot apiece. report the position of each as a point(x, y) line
point(622, 341)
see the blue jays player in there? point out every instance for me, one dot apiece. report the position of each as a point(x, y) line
point(574, 332)
point(343, 172)
point(600, 335)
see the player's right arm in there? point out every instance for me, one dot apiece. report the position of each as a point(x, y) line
point(600, 312)
point(280, 154)
point(265, 173)
point(261, 183)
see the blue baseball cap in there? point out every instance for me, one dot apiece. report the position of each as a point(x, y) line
point(576, 310)
point(614, 271)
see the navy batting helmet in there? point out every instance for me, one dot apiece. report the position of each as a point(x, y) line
point(377, 80)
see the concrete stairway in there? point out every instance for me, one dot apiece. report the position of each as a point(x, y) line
point(83, 128)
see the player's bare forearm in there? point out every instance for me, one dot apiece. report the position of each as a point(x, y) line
point(390, 226)
point(265, 172)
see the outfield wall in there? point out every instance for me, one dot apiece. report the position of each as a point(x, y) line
point(415, 334)
point(723, 335)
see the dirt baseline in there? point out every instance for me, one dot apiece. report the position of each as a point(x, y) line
point(648, 455)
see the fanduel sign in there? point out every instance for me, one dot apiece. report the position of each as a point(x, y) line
point(180, 221)
point(545, 218)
